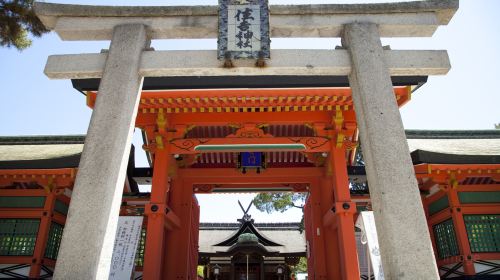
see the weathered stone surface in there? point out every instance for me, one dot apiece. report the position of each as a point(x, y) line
point(81, 22)
point(282, 62)
point(445, 8)
point(88, 238)
point(405, 244)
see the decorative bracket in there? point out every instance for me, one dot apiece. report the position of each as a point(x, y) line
point(161, 121)
point(250, 131)
point(338, 120)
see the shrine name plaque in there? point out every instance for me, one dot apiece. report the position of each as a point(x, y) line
point(243, 29)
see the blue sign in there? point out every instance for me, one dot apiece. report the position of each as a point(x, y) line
point(251, 159)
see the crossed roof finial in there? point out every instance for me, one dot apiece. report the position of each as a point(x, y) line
point(246, 216)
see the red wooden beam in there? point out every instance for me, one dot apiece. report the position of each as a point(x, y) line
point(206, 119)
point(42, 236)
point(15, 260)
point(23, 192)
point(449, 260)
point(63, 177)
point(279, 187)
point(249, 97)
point(59, 218)
point(477, 209)
point(486, 256)
point(436, 196)
point(479, 188)
point(21, 213)
point(459, 169)
point(439, 217)
point(461, 232)
point(235, 177)
point(229, 144)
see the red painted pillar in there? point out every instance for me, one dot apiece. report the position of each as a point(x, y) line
point(461, 231)
point(177, 261)
point(195, 223)
point(333, 257)
point(309, 239)
point(43, 235)
point(317, 233)
point(155, 211)
point(425, 203)
point(344, 211)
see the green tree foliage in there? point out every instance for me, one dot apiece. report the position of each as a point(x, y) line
point(17, 21)
point(199, 270)
point(269, 202)
point(301, 267)
point(280, 202)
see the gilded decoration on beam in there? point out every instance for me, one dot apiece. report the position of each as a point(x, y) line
point(159, 142)
point(312, 143)
point(188, 145)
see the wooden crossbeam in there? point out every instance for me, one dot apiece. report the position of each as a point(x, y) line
point(229, 144)
point(307, 99)
point(201, 119)
point(282, 62)
point(234, 176)
point(422, 170)
point(63, 177)
point(239, 188)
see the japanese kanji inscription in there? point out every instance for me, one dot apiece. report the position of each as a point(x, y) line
point(243, 29)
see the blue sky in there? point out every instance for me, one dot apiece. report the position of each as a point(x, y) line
point(466, 98)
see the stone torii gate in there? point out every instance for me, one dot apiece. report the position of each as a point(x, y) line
point(87, 242)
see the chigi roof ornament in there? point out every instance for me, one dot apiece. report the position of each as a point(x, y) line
point(246, 216)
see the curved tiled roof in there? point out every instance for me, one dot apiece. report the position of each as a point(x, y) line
point(426, 146)
point(454, 146)
point(286, 238)
point(40, 152)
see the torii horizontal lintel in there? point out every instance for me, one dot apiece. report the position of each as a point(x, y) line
point(404, 19)
point(282, 62)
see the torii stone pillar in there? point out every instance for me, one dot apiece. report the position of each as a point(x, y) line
point(89, 234)
point(405, 246)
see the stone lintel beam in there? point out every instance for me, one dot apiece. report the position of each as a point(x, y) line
point(404, 19)
point(283, 62)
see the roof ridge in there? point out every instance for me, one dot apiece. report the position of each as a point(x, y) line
point(453, 134)
point(42, 139)
point(410, 134)
point(238, 224)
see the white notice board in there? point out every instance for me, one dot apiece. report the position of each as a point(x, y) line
point(366, 223)
point(127, 237)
